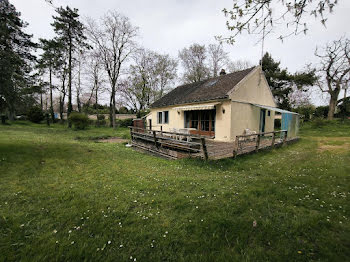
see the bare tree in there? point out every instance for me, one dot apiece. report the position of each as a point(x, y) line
point(149, 77)
point(239, 65)
point(334, 70)
point(113, 37)
point(193, 60)
point(218, 58)
point(262, 16)
point(166, 70)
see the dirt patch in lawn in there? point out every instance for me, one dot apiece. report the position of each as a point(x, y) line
point(117, 140)
point(333, 144)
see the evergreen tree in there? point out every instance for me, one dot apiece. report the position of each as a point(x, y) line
point(70, 31)
point(16, 59)
point(50, 60)
point(282, 83)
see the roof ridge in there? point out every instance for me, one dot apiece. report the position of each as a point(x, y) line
point(216, 77)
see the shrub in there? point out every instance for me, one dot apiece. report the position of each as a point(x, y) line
point(320, 122)
point(35, 114)
point(125, 122)
point(142, 113)
point(100, 121)
point(321, 111)
point(79, 121)
point(101, 117)
point(123, 110)
point(306, 112)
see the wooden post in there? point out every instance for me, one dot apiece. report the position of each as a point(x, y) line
point(155, 138)
point(204, 148)
point(273, 140)
point(161, 130)
point(235, 147)
point(257, 143)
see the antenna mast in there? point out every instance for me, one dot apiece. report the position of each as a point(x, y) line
point(263, 37)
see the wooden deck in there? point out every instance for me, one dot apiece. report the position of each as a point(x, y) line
point(176, 146)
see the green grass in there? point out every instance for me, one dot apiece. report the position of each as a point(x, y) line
point(64, 199)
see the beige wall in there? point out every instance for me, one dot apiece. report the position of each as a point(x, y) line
point(223, 122)
point(246, 116)
point(254, 89)
point(177, 119)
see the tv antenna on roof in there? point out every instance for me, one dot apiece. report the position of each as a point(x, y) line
point(263, 37)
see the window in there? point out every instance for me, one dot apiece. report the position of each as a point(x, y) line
point(269, 113)
point(163, 117)
point(203, 120)
point(160, 118)
point(166, 117)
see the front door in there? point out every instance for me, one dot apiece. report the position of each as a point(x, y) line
point(262, 120)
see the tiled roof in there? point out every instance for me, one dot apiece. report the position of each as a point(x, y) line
point(206, 90)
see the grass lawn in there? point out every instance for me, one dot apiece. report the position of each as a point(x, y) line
point(68, 199)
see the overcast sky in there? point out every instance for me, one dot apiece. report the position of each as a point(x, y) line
point(167, 26)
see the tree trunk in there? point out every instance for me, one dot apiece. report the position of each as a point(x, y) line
point(345, 91)
point(332, 105)
point(61, 110)
point(113, 110)
point(110, 112)
point(41, 100)
point(78, 91)
point(51, 99)
point(96, 106)
point(78, 102)
point(11, 113)
point(70, 107)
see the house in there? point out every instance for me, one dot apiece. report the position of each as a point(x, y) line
point(221, 108)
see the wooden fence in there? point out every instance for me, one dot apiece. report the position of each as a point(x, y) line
point(253, 142)
point(167, 144)
point(179, 145)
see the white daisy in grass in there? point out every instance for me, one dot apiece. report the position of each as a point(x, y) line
point(55, 231)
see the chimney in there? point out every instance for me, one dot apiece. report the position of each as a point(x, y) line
point(222, 72)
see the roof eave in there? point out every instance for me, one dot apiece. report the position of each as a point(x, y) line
point(224, 98)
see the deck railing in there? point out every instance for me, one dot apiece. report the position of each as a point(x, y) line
point(254, 142)
point(159, 139)
point(177, 145)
